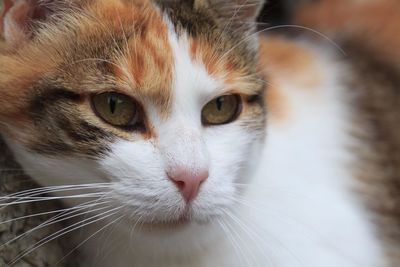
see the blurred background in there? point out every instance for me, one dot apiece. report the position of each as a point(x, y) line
point(372, 24)
point(277, 12)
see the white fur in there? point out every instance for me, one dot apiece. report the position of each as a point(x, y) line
point(298, 209)
point(307, 208)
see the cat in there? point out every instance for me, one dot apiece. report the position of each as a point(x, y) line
point(190, 139)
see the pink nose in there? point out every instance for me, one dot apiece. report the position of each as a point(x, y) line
point(188, 182)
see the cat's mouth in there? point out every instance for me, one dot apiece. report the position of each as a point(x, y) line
point(170, 224)
point(185, 219)
point(167, 217)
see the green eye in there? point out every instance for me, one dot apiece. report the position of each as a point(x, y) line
point(116, 109)
point(221, 110)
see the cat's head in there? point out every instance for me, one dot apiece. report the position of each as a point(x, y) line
point(161, 103)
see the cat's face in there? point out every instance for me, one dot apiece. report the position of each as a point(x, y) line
point(161, 105)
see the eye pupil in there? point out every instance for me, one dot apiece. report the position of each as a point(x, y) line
point(220, 102)
point(112, 102)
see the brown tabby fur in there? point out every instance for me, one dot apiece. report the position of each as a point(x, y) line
point(369, 34)
point(378, 111)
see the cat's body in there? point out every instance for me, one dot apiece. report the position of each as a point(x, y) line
point(284, 189)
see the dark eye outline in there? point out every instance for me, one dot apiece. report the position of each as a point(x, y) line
point(236, 115)
point(139, 125)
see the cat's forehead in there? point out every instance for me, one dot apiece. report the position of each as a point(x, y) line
point(164, 42)
point(149, 50)
point(142, 43)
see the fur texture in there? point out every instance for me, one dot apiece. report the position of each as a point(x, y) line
point(17, 220)
point(284, 187)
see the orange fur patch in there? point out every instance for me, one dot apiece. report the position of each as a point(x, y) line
point(202, 51)
point(146, 65)
point(277, 104)
point(282, 60)
point(16, 80)
point(286, 60)
point(224, 67)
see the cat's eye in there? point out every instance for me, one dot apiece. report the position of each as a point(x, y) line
point(221, 110)
point(116, 109)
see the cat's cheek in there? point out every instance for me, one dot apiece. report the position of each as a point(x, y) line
point(234, 156)
point(233, 148)
point(62, 172)
point(139, 181)
point(131, 159)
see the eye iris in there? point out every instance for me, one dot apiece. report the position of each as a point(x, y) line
point(221, 110)
point(116, 109)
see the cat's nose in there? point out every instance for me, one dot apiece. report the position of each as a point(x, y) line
point(187, 181)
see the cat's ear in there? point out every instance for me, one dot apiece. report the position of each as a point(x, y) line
point(20, 19)
point(238, 13)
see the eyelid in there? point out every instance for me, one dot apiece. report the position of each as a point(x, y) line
point(220, 93)
point(253, 98)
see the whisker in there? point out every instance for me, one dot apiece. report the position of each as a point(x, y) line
point(242, 241)
point(336, 45)
point(280, 27)
point(40, 199)
point(41, 214)
point(106, 241)
point(20, 195)
point(67, 216)
point(131, 232)
point(103, 251)
point(277, 240)
point(238, 252)
point(46, 197)
point(251, 234)
point(49, 189)
point(64, 216)
point(90, 237)
point(135, 224)
point(65, 231)
point(105, 196)
point(278, 190)
point(235, 13)
point(311, 232)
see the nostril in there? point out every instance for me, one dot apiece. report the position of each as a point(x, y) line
point(179, 184)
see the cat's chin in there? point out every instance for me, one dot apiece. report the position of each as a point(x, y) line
point(167, 225)
point(173, 218)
